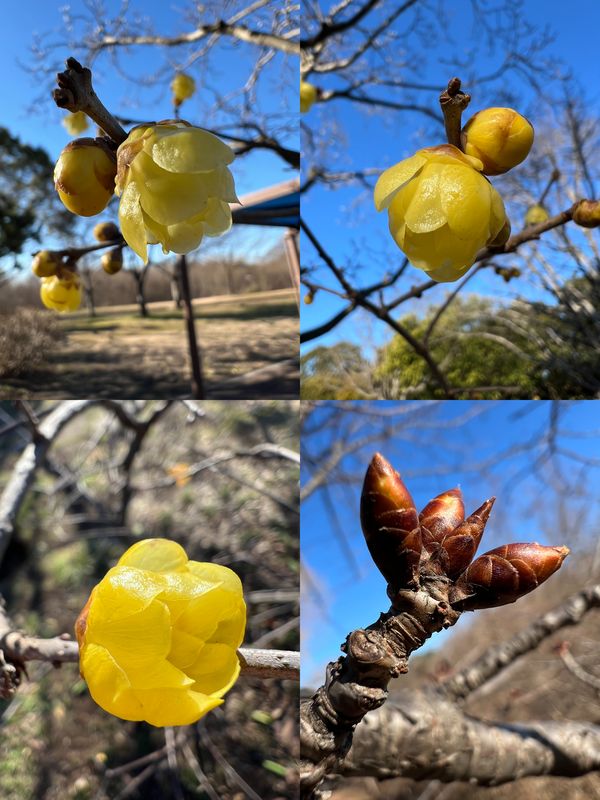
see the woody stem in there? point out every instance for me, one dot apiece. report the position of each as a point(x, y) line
point(453, 102)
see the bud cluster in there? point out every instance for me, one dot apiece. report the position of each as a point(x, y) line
point(410, 549)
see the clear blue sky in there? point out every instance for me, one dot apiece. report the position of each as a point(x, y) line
point(345, 220)
point(433, 454)
point(230, 68)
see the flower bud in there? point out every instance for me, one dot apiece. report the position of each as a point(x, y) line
point(75, 123)
point(106, 232)
point(499, 137)
point(112, 261)
point(390, 524)
point(183, 87)
point(536, 214)
point(458, 547)
point(61, 292)
point(45, 263)
point(308, 298)
point(504, 574)
point(502, 237)
point(308, 96)
point(587, 213)
point(84, 176)
point(159, 634)
point(441, 515)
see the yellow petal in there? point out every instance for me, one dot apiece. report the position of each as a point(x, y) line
point(184, 236)
point(166, 707)
point(217, 218)
point(188, 150)
point(398, 207)
point(390, 181)
point(131, 221)
point(150, 629)
point(465, 198)
point(215, 670)
point(122, 592)
point(440, 250)
point(108, 684)
point(159, 555)
point(231, 631)
point(424, 212)
point(168, 197)
point(185, 649)
point(498, 213)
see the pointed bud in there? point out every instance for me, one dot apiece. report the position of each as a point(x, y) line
point(504, 574)
point(441, 515)
point(390, 524)
point(460, 545)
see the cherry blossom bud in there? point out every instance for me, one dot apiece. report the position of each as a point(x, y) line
point(460, 545)
point(390, 524)
point(441, 515)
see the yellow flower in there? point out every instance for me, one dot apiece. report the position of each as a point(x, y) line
point(45, 263)
point(61, 293)
point(180, 473)
point(308, 96)
point(536, 214)
point(106, 232)
point(587, 213)
point(159, 634)
point(499, 137)
point(84, 176)
point(175, 187)
point(75, 123)
point(441, 210)
point(183, 87)
point(112, 261)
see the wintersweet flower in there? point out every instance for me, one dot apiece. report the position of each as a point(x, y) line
point(112, 261)
point(308, 96)
point(75, 123)
point(499, 137)
point(536, 214)
point(84, 176)
point(61, 292)
point(183, 87)
point(159, 634)
point(174, 185)
point(106, 232)
point(45, 263)
point(441, 210)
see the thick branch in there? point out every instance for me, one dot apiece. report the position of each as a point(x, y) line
point(502, 655)
point(426, 737)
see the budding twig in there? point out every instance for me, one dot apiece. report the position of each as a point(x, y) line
point(453, 102)
point(76, 93)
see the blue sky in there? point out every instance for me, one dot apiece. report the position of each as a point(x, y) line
point(230, 68)
point(344, 219)
point(448, 444)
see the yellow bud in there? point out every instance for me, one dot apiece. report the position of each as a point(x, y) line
point(308, 298)
point(158, 636)
point(441, 210)
point(45, 263)
point(587, 213)
point(112, 261)
point(499, 137)
point(75, 123)
point(61, 293)
point(536, 214)
point(174, 185)
point(106, 232)
point(84, 176)
point(308, 96)
point(183, 87)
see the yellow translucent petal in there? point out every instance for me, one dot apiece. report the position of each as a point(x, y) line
point(131, 221)
point(108, 684)
point(440, 250)
point(498, 213)
point(180, 588)
point(398, 207)
point(184, 236)
point(159, 555)
point(217, 573)
point(231, 631)
point(424, 212)
point(149, 630)
point(390, 181)
point(188, 150)
point(217, 218)
point(167, 197)
point(185, 648)
point(215, 670)
point(166, 707)
point(465, 198)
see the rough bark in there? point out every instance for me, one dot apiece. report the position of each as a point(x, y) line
point(423, 736)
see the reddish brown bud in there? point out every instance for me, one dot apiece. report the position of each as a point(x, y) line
point(504, 574)
point(460, 545)
point(390, 524)
point(441, 515)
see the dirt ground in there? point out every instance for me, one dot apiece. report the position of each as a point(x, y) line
point(119, 354)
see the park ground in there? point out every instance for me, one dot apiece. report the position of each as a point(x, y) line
point(118, 353)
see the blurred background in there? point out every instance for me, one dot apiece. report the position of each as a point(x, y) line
point(542, 462)
point(246, 92)
point(521, 324)
point(220, 478)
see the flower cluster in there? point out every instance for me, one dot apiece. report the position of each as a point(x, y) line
point(410, 548)
point(442, 209)
point(60, 288)
point(159, 634)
